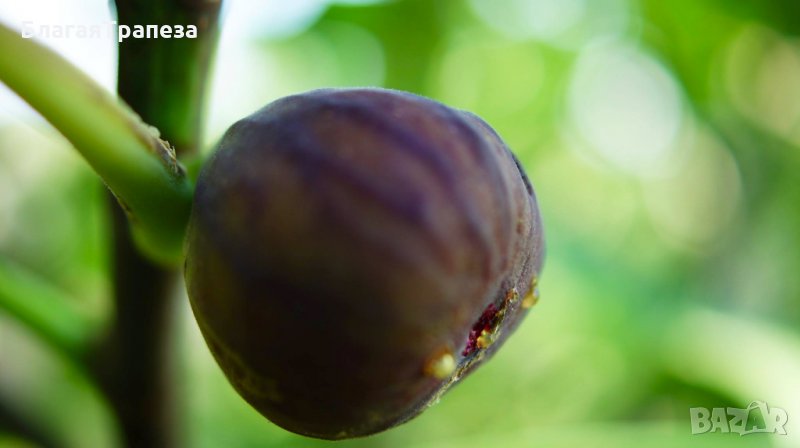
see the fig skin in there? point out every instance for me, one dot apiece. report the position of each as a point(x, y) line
point(347, 247)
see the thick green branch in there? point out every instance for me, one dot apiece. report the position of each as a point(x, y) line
point(138, 167)
point(165, 80)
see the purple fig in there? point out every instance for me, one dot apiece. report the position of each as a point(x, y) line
point(353, 253)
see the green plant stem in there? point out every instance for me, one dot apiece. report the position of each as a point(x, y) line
point(139, 168)
point(131, 360)
point(164, 81)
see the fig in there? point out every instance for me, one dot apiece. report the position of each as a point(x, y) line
point(353, 253)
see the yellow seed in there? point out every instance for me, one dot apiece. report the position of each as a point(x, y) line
point(531, 299)
point(485, 339)
point(442, 366)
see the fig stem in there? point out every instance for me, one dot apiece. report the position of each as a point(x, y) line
point(137, 166)
point(164, 81)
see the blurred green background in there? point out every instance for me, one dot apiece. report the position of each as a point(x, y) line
point(663, 140)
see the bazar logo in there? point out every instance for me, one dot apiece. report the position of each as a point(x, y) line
point(755, 418)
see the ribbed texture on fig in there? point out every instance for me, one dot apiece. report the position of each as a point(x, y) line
point(352, 253)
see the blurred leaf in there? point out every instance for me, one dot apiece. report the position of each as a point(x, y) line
point(617, 435)
point(779, 14)
point(43, 309)
point(9, 441)
point(410, 33)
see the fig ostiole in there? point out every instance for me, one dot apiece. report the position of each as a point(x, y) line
point(352, 253)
